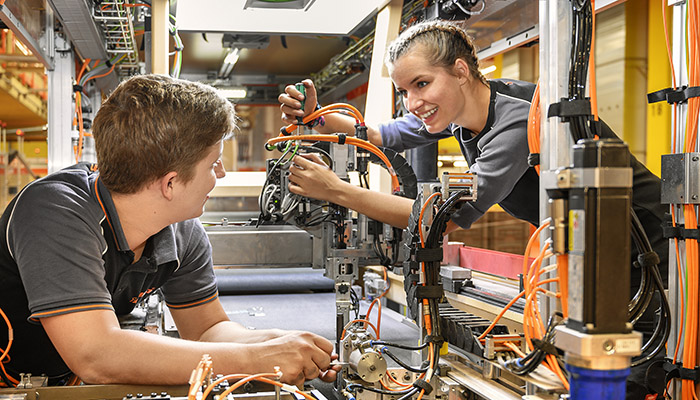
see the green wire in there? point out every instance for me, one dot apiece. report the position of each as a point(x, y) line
point(294, 153)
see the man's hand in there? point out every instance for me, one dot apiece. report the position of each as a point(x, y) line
point(291, 102)
point(302, 356)
point(309, 176)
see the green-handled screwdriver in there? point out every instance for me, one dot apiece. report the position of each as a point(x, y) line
point(300, 87)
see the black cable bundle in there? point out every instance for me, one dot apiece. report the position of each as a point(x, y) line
point(581, 129)
point(264, 215)
point(580, 51)
point(651, 283)
point(527, 364)
point(432, 269)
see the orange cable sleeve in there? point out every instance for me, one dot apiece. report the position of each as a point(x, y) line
point(591, 67)
point(349, 140)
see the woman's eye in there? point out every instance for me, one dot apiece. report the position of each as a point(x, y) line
point(421, 84)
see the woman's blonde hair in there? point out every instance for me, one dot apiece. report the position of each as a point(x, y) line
point(443, 41)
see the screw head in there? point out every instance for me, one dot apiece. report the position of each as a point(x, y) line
point(609, 346)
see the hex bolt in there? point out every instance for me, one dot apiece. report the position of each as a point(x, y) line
point(695, 197)
point(695, 158)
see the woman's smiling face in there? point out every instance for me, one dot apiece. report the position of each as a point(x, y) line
point(432, 93)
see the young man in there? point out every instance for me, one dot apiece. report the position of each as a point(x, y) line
point(80, 247)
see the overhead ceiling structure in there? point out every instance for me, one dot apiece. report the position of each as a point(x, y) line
point(318, 17)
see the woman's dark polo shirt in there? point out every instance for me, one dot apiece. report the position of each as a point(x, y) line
point(62, 250)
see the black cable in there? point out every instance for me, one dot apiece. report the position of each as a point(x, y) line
point(399, 346)
point(263, 213)
point(355, 299)
point(657, 285)
point(527, 364)
point(401, 363)
point(6, 380)
point(354, 386)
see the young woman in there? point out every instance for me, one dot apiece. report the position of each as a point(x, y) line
point(434, 67)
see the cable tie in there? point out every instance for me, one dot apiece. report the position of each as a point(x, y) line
point(648, 259)
point(567, 108)
point(179, 48)
point(674, 96)
point(436, 339)
point(341, 138)
point(108, 63)
point(77, 88)
point(546, 347)
point(678, 371)
point(680, 232)
point(533, 159)
point(422, 384)
point(429, 292)
point(428, 254)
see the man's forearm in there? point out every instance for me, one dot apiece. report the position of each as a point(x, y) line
point(142, 358)
point(229, 331)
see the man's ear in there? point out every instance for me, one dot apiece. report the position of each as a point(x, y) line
point(167, 185)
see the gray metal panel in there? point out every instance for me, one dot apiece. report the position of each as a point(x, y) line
point(500, 21)
point(680, 178)
point(270, 246)
point(76, 17)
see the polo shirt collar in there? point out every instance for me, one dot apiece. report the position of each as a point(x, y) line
point(163, 243)
point(104, 198)
point(164, 246)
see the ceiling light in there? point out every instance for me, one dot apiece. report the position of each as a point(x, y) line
point(232, 56)
point(460, 164)
point(23, 48)
point(234, 93)
point(279, 4)
point(229, 61)
point(488, 70)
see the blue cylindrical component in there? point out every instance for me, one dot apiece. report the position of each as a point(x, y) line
point(591, 384)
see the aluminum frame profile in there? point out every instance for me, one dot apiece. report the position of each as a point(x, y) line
point(79, 25)
point(16, 26)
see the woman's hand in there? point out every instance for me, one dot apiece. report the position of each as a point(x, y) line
point(291, 102)
point(310, 177)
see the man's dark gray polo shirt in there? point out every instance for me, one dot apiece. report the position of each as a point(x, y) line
point(62, 250)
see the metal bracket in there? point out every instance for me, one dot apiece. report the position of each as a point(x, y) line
point(567, 178)
point(16, 26)
point(680, 178)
